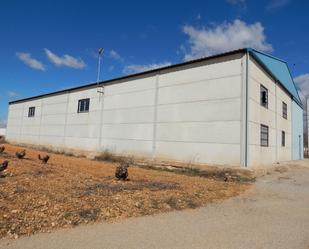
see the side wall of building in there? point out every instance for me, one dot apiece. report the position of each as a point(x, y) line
point(271, 117)
point(199, 113)
point(192, 114)
point(297, 132)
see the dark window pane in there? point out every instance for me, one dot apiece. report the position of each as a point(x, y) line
point(31, 112)
point(83, 105)
point(283, 139)
point(87, 105)
point(284, 110)
point(264, 96)
point(264, 135)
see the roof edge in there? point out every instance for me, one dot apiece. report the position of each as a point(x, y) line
point(271, 56)
point(191, 62)
point(298, 101)
point(301, 104)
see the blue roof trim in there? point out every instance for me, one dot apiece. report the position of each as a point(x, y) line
point(279, 70)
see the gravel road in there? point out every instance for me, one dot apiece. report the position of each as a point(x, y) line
point(274, 214)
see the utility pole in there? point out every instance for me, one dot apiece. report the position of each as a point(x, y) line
point(100, 54)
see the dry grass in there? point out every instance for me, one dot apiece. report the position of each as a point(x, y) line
point(225, 174)
point(69, 191)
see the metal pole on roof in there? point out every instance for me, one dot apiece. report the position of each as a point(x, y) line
point(100, 54)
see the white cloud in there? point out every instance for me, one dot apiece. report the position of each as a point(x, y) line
point(142, 68)
point(276, 4)
point(224, 37)
point(237, 2)
point(302, 82)
point(12, 94)
point(65, 60)
point(114, 55)
point(111, 68)
point(3, 122)
point(31, 62)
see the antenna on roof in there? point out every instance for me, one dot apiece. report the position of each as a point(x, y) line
point(100, 54)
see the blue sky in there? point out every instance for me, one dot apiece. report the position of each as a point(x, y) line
point(51, 45)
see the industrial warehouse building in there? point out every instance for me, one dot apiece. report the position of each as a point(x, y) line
point(238, 108)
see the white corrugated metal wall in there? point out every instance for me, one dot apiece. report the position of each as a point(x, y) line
point(192, 114)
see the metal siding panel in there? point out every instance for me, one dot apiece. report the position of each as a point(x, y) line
point(297, 130)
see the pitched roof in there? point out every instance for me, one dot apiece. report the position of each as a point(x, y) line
point(279, 70)
point(276, 67)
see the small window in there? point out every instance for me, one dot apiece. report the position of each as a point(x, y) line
point(283, 139)
point(284, 110)
point(31, 112)
point(264, 136)
point(264, 96)
point(83, 105)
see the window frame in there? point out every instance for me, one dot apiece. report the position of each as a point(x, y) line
point(283, 138)
point(262, 90)
point(284, 110)
point(83, 105)
point(31, 112)
point(263, 140)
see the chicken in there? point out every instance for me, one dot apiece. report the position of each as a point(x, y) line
point(44, 159)
point(122, 170)
point(4, 165)
point(2, 149)
point(21, 155)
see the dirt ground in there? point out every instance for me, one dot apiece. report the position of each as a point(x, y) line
point(69, 191)
point(273, 214)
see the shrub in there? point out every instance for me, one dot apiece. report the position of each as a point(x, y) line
point(106, 155)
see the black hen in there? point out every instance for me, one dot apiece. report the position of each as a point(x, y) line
point(4, 165)
point(122, 170)
point(44, 159)
point(2, 149)
point(21, 155)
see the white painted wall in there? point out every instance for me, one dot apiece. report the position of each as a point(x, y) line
point(271, 116)
point(2, 131)
point(192, 114)
point(199, 113)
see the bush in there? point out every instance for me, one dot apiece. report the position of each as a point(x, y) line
point(107, 155)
